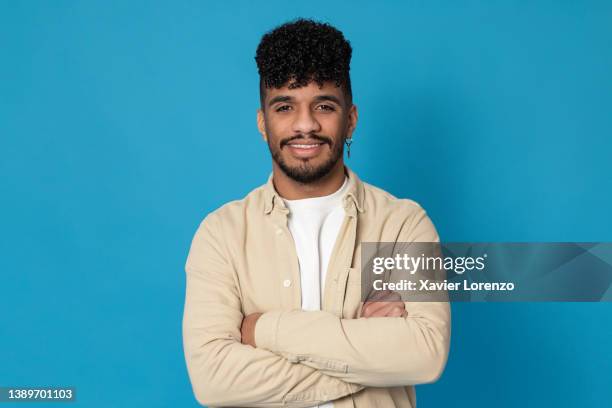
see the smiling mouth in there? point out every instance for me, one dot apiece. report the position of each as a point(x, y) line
point(303, 151)
point(305, 145)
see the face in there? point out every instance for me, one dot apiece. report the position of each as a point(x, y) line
point(306, 127)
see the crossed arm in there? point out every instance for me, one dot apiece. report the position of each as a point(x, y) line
point(337, 357)
point(225, 372)
point(222, 370)
point(388, 305)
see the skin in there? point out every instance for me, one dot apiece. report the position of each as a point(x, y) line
point(300, 115)
point(311, 115)
point(384, 304)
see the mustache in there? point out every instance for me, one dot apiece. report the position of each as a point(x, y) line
point(320, 138)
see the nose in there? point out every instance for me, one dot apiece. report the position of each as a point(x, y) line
point(305, 122)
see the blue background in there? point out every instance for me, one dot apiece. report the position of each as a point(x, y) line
point(122, 124)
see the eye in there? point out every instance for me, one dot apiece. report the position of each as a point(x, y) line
point(328, 108)
point(283, 108)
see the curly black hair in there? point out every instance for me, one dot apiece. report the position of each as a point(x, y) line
point(302, 51)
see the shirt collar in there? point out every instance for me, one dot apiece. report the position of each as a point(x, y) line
point(354, 193)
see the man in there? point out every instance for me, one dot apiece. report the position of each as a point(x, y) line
point(273, 312)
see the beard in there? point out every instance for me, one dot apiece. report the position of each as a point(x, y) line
point(306, 172)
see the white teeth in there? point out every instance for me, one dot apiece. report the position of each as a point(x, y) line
point(305, 146)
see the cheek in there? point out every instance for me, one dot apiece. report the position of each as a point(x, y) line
point(334, 123)
point(333, 127)
point(277, 129)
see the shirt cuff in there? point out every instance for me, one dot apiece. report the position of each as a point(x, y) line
point(266, 330)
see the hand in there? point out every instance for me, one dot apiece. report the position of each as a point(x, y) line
point(247, 329)
point(385, 303)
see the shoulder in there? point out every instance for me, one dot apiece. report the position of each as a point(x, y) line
point(234, 213)
point(405, 216)
point(378, 200)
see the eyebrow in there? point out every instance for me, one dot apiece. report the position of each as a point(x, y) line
point(318, 98)
point(331, 98)
point(280, 98)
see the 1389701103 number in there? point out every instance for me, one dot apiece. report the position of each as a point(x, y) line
point(63, 394)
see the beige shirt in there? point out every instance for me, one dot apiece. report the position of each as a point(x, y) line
point(242, 260)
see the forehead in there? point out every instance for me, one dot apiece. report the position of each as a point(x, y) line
point(309, 91)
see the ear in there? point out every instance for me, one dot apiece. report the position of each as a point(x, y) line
point(352, 121)
point(261, 124)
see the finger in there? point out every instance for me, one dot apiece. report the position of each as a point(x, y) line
point(396, 312)
point(365, 310)
point(387, 308)
point(384, 296)
point(394, 309)
point(376, 295)
point(372, 307)
point(402, 308)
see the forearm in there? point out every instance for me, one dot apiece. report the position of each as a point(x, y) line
point(381, 351)
point(227, 373)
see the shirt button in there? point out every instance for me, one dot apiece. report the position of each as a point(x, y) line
point(279, 231)
point(286, 283)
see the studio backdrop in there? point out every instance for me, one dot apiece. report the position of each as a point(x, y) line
point(122, 124)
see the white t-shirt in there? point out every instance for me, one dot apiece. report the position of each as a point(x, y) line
point(314, 224)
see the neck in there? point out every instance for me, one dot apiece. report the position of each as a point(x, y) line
point(293, 190)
